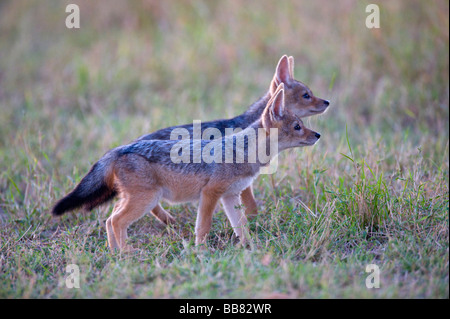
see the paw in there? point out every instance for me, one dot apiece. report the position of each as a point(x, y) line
point(128, 249)
point(170, 221)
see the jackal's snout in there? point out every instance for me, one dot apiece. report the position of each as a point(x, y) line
point(321, 105)
point(313, 138)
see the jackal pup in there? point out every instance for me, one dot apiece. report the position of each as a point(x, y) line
point(299, 99)
point(143, 173)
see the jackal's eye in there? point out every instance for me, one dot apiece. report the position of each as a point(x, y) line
point(297, 127)
point(306, 96)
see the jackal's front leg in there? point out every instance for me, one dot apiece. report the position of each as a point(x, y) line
point(208, 202)
point(237, 218)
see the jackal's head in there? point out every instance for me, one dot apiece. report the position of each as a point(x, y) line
point(299, 99)
point(291, 130)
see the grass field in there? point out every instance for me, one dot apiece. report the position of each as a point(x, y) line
point(374, 190)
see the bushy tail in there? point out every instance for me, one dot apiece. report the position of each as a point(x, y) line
point(95, 188)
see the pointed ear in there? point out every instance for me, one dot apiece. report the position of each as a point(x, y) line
point(276, 110)
point(282, 74)
point(291, 66)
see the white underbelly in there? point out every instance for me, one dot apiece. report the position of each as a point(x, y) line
point(238, 186)
point(186, 196)
point(190, 192)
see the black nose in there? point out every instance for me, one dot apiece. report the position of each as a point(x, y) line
point(317, 135)
point(326, 102)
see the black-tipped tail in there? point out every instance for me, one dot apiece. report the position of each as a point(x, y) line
point(92, 191)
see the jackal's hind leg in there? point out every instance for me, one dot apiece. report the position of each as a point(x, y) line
point(207, 205)
point(163, 215)
point(109, 229)
point(135, 205)
point(248, 199)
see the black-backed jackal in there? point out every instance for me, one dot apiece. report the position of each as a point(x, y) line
point(299, 99)
point(144, 173)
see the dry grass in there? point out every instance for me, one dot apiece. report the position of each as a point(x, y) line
point(374, 190)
